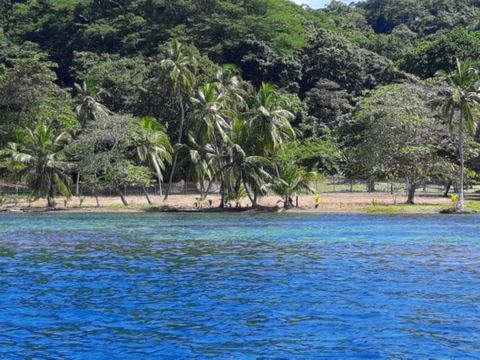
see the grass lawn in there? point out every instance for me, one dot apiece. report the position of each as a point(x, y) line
point(414, 209)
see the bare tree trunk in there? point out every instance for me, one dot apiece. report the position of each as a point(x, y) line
point(447, 188)
point(371, 186)
point(50, 201)
point(461, 201)
point(411, 193)
point(145, 192)
point(255, 199)
point(288, 202)
point(175, 158)
point(95, 193)
point(124, 200)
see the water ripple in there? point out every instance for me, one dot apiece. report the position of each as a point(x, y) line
point(101, 286)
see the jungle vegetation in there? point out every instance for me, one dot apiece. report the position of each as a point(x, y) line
point(254, 95)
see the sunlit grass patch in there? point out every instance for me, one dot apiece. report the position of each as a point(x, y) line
point(404, 209)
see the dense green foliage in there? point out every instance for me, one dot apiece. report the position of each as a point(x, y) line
point(251, 94)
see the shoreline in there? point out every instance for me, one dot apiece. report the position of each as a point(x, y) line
point(106, 210)
point(368, 210)
point(331, 203)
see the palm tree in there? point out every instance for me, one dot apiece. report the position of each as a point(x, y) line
point(268, 124)
point(207, 136)
point(199, 171)
point(291, 180)
point(210, 132)
point(243, 167)
point(211, 118)
point(247, 171)
point(88, 108)
point(270, 121)
point(179, 72)
point(43, 163)
point(462, 105)
point(153, 146)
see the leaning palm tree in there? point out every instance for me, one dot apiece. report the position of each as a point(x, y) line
point(153, 146)
point(199, 171)
point(249, 171)
point(179, 70)
point(462, 105)
point(43, 164)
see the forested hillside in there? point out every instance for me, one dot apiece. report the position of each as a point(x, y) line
point(253, 94)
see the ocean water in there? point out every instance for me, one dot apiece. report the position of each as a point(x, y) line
point(283, 286)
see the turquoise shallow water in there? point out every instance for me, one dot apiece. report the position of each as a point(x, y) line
point(148, 286)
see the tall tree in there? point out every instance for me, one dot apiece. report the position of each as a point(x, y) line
point(108, 154)
point(461, 106)
point(88, 109)
point(268, 124)
point(395, 135)
point(179, 72)
point(210, 131)
point(153, 146)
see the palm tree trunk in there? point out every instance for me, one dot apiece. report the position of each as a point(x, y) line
point(461, 201)
point(77, 190)
point(208, 189)
point(248, 193)
point(160, 192)
point(50, 201)
point(180, 135)
point(145, 192)
point(222, 196)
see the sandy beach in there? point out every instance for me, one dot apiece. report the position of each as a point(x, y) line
point(329, 203)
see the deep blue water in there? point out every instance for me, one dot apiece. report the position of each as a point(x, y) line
point(149, 286)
